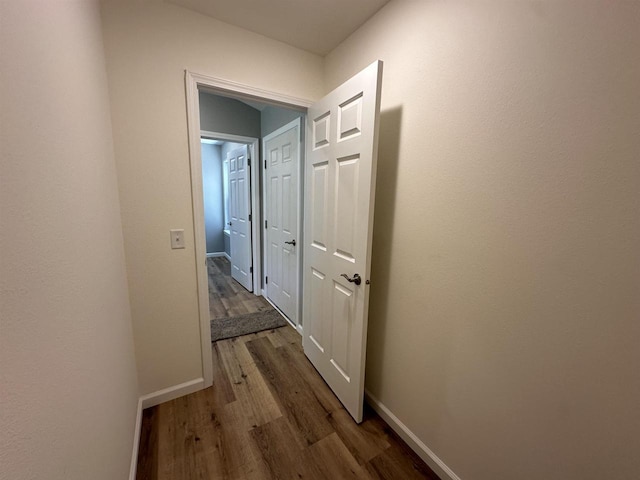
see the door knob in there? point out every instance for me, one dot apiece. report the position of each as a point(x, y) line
point(356, 278)
point(229, 223)
point(292, 242)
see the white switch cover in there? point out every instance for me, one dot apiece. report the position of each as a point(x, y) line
point(177, 239)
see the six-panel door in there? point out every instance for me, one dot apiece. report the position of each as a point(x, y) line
point(338, 224)
point(239, 209)
point(281, 152)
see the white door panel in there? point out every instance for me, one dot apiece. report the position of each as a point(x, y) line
point(239, 211)
point(282, 160)
point(340, 169)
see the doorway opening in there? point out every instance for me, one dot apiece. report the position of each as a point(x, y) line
point(338, 219)
point(236, 306)
point(229, 196)
point(250, 155)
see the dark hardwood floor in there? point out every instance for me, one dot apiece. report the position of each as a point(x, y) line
point(268, 415)
point(227, 298)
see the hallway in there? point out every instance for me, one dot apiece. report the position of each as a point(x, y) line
point(227, 298)
point(234, 311)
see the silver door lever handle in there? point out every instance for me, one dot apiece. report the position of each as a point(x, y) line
point(356, 278)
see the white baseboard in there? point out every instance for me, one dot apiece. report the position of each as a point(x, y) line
point(217, 254)
point(177, 391)
point(151, 400)
point(430, 458)
point(227, 255)
point(166, 394)
point(133, 470)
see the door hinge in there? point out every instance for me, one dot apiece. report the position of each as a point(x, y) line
point(250, 269)
point(266, 280)
point(249, 217)
point(265, 164)
point(249, 161)
point(265, 224)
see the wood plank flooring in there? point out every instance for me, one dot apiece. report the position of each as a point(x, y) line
point(227, 298)
point(268, 415)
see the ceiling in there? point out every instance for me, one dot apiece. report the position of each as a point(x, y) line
point(317, 26)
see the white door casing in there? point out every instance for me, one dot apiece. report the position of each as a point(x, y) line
point(281, 151)
point(239, 213)
point(194, 82)
point(340, 171)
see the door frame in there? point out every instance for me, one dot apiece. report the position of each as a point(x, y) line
point(300, 163)
point(193, 83)
point(254, 192)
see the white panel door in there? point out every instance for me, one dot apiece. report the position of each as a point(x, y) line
point(281, 150)
point(340, 168)
point(239, 213)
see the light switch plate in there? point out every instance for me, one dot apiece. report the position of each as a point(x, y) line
point(177, 239)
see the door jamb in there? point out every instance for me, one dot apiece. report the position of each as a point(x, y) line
point(194, 82)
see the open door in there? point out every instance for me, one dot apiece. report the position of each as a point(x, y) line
point(282, 158)
point(240, 215)
point(340, 171)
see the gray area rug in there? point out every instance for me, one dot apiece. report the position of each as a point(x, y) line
point(222, 328)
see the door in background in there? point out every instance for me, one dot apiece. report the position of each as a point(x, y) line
point(340, 168)
point(240, 214)
point(281, 150)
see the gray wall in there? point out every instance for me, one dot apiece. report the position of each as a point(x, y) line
point(213, 200)
point(273, 118)
point(227, 245)
point(226, 115)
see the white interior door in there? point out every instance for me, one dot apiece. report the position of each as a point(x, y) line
point(340, 168)
point(281, 150)
point(239, 212)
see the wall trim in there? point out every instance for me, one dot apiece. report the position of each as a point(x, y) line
point(218, 85)
point(197, 199)
point(133, 470)
point(417, 445)
point(216, 254)
point(171, 393)
point(151, 400)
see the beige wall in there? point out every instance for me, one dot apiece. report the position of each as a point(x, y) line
point(505, 297)
point(68, 386)
point(148, 46)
